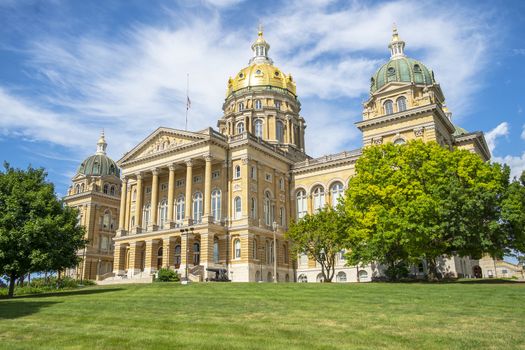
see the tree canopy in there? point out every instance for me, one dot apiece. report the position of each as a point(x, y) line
point(321, 237)
point(37, 232)
point(421, 201)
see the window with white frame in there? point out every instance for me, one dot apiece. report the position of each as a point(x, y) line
point(301, 204)
point(237, 208)
point(197, 179)
point(258, 104)
point(277, 104)
point(401, 104)
point(341, 277)
point(281, 184)
point(106, 221)
point(241, 106)
point(180, 182)
point(215, 250)
point(268, 177)
point(240, 127)
point(197, 208)
point(237, 172)
point(163, 213)
point(282, 217)
point(164, 187)
point(388, 107)
point(216, 205)
point(268, 219)
point(196, 253)
point(177, 256)
point(363, 275)
point(179, 210)
point(336, 191)
point(216, 174)
point(318, 198)
point(237, 248)
point(146, 215)
point(106, 189)
point(258, 128)
point(253, 172)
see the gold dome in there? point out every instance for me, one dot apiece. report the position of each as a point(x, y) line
point(261, 72)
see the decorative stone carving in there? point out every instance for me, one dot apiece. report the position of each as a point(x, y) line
point(377, 141)
point(418, 132)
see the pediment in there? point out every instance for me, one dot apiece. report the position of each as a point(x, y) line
point(392, 86)
point(161, 140)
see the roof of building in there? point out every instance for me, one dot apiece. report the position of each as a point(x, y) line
point(99, 164)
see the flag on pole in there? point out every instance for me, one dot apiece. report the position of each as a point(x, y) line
point(188, 103)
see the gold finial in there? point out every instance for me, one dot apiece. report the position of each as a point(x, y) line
point(260, 29)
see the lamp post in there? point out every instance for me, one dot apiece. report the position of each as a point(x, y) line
point(274, 226)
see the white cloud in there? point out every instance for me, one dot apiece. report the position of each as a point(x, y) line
point(134, 82)
point(491, 136)
point(516, 163)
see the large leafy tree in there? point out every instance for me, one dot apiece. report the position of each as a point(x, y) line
point(37, 232)
point(422, 201)
point(513, 215)
point(321, 237)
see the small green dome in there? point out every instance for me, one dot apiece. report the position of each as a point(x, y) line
point(459, 131)
point(401, 69)
point(98, 165)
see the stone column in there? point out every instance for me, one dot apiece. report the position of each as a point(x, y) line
point(119, 259)
point(138, 205)
point(189, 182)
point(151, 256)
point(122, 213)
point(128, 210)
point(135, 258)
point(207, 189)
point(154, 200)
point(171, 193)
point(206, 251)
point(168, 252)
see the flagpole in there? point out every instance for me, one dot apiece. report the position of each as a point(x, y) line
point(187, 98)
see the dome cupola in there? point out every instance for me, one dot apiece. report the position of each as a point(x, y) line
point(400, 68)
point(99, 164)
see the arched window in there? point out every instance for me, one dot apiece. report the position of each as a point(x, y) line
point(341, 277)
point(363, 275)
point(279, 131)
point(277, 104)
point(337, 192)
point(401, 104)
point(112, 190)
point(320, 278)
point(258, 104)
point(254, 249)
point(237, 173)
point(253, 208)
point(196, 253)
point(177, 256)
point(399, 141)
point(216, 205)
point(163, 213)
point(106, 221)
point(159, 258)
point(237, 248)
point(82, 188)
point(237, 208)
point(146, 214)
point(388, 107)
point(134, 195)
point(318, 198)
point(179, 210)
point(258, 127)
point(268, 217)
point(301, 204)
point(241, 106)
point(106, 188)
point(240, 127)
point(197, 207)
point(302, 279)
point(77, 189)
point(216, 250)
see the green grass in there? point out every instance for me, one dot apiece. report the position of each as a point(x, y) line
point(268, 316)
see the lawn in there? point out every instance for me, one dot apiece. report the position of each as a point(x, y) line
point(269, 316)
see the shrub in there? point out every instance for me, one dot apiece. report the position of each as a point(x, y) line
point(167, 275)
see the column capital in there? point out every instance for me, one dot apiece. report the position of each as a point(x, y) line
point(155, 171)
point(125, 179)
point(139, 175)
point(189, 162)
point(172, 167)
point(208, 157)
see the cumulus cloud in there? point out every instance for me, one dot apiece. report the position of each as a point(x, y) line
point(516, 164)
point(491, 136)
point(131, 83)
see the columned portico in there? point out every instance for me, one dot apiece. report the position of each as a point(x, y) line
point(189, 181)
point(153, 226)
point(138, 205)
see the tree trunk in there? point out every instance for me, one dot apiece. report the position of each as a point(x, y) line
point(432, 269)
point(12, 280)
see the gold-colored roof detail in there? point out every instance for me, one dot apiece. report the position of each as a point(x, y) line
point(260, 72)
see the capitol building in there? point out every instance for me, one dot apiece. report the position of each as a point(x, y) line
point(223, 197)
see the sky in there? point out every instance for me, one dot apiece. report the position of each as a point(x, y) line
point(69, 69)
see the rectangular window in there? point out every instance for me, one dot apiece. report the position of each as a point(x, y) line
point(180, 183)
point(268, 177)
point(216, 174)
point(148, 190)
point(197, 179)
point(253, 173)
point(164, 187)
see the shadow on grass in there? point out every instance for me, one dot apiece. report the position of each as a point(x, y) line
point(64, 293)
point(15, 309)
point(490, 281)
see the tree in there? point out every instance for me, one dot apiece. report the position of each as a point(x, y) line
point(37, 232)
point(320, 236)
point(421, 201)
point(513, 215)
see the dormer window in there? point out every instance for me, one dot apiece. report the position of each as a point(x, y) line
point(277, 104)
point(388, 107)
point(401, 104)
point(240, 127)
point(241, 106)
point(258, 104)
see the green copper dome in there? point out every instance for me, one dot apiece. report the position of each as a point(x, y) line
point(459, 131)
point(99, 164)
point(400, 68)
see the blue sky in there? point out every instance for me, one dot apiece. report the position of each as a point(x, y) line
point(70, 68)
